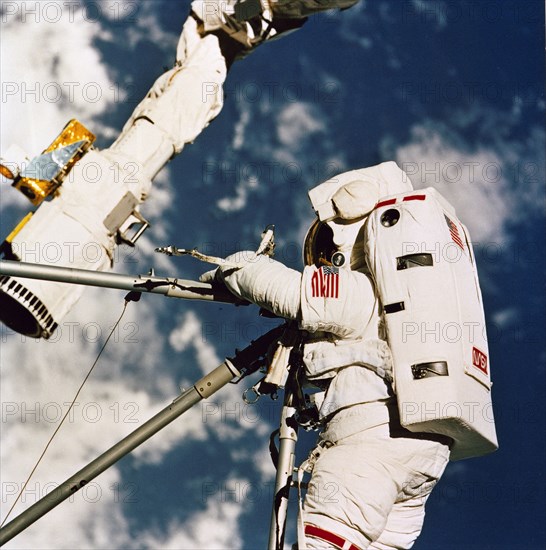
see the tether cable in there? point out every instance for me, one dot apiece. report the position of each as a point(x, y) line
point(132, 296)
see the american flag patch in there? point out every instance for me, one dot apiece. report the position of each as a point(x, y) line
point(325, 282)
point(454, 232)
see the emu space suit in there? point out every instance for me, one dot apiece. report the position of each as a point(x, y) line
point(372, 478)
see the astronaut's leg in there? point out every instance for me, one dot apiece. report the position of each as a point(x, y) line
point(371, 487)
point(425, 467)
point(349, 496)
point(404, 523)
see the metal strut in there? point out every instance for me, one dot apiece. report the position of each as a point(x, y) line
point(288, 437)
point(245, 362)
point(171, 287)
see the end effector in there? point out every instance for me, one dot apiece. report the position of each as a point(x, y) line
point(252, 22)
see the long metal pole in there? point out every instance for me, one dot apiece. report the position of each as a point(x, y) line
point(202, 389)
point(174, 288)
point(288, 437)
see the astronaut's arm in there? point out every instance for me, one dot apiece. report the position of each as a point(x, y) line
point(342, 308)
point(264, 282)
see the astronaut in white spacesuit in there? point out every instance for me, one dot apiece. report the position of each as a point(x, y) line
point(369, 486)
point(372, 478)
point(371, 481)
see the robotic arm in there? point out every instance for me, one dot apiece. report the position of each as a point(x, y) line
point(88, 200)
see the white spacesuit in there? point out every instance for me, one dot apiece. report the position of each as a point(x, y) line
point(371, 476)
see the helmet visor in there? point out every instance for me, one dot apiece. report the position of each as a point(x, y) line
point(319, 245)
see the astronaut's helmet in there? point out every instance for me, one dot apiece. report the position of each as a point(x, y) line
point(342, 205)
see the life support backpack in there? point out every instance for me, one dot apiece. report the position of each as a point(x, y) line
point(422, 261)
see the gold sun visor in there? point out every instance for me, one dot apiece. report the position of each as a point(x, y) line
point(319, 247)
point(42, 176)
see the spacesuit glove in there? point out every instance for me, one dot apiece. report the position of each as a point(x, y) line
point(209, 276)
point(263, 281)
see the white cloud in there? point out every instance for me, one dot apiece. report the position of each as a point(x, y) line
point(39, 379)
point(51, 72)
point(215, 528)
point(189, 332)
point(248, 179)
point(296, 122)
point(146, 25)
point(117, 10)
point(239, 132)
point(505, 318)
point(478, 181)
point(432, 10)
point(272, 158)
point(239, 201)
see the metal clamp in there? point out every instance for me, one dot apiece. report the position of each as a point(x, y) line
point(257, 394)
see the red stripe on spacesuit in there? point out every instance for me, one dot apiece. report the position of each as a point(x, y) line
point(415, 198)
point(314, 285)
point(385, 203)
point(332, 538)
point(390, 202)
